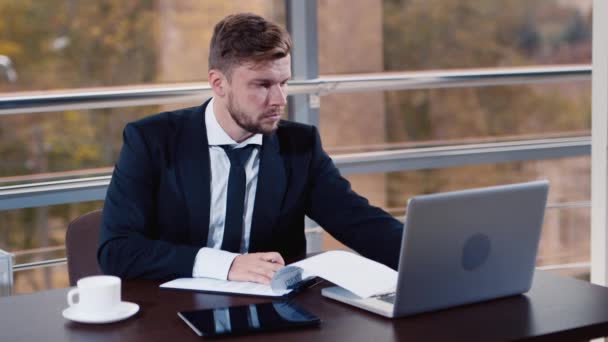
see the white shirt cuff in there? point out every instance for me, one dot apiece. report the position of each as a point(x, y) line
point(212, 263)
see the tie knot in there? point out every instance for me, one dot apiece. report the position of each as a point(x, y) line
point(238, 156)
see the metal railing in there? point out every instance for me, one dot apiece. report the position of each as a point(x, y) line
point(38, 264)
point(112, 97)
point(569, 266)
point(94, 188)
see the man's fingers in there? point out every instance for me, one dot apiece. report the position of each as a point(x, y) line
point(265, 271)
point(256, 267)
point(269, 266)
point(273, 257)
point(251, 277)
point(279, 259)
point(259, 278)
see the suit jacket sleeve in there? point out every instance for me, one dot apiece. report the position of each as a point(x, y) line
point(347, 216)
point(129, 244)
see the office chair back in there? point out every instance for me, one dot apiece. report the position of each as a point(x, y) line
point(81, 240)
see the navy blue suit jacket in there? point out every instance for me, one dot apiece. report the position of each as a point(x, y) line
point(156, 212)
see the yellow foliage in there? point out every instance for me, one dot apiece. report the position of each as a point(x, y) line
point(10, 49)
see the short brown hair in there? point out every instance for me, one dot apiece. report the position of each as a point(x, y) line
point(246, 37)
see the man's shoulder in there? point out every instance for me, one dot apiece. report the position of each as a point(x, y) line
point(295, 130)
point(298, 138)
point(169, 119)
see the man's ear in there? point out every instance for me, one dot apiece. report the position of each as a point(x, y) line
point(218, 82)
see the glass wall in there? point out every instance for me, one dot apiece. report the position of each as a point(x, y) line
point(57, 44)
point(69, 44)
point(88, 45)
point(384, 36)
point(565, 233)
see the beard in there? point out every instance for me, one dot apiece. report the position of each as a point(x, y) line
point(254, 124)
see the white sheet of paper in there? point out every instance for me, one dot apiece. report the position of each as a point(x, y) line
point(359, 275)
point(215, 285)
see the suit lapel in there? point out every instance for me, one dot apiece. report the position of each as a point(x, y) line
point(193, 151)
point(272, 183)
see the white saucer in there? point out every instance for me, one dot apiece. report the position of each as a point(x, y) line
point(122, 311)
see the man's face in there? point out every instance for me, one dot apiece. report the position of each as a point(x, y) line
point(257, 94)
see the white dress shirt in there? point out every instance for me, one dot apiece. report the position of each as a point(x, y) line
point(211, 261)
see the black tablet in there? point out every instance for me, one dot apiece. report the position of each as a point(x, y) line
point(247, 319)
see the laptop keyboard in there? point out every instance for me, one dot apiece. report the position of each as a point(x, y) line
point(388, 297)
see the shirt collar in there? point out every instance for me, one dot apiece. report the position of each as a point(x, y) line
point(216, 134)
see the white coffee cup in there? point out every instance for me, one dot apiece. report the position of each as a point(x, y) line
point(96, 294)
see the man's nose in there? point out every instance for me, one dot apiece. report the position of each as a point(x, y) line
point(278, 95)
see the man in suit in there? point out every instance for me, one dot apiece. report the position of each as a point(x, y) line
point(221, 190)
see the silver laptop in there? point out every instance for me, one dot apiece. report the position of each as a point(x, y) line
point(462, 247)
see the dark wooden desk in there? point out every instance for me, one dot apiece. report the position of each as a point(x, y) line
point(557, 308)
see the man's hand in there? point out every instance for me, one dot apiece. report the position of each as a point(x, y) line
point(255, 267)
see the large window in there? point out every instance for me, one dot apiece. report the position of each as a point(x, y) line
point(449, 35)
point(90, 45)
point(57, 44)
